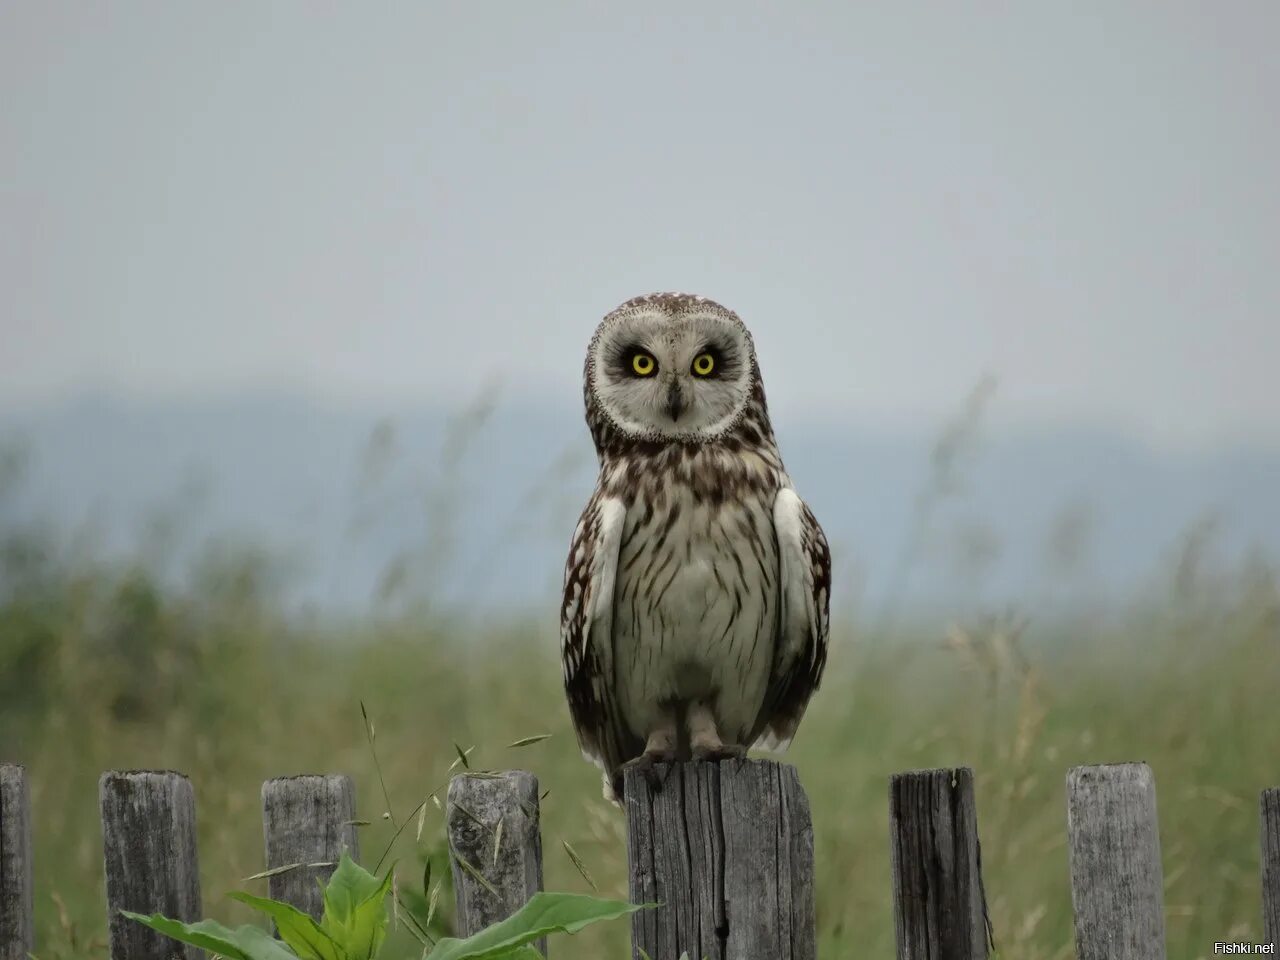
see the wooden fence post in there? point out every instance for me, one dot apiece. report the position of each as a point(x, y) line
point(149, 849)
point(727, 850)
point(495, 845)
point(17, 924)
point(1116, 878)
point(1271, 865)
point(307, 820)
point(939, 907)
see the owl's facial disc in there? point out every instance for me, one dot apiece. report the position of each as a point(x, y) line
point(683, 376)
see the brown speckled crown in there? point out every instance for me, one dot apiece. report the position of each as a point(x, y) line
point(673, 301)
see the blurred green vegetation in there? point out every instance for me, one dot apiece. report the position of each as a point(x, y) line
point(115, 665)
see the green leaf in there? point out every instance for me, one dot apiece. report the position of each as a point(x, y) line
point(525, 952)
point(545, 913)
point(355, 909)
point(297, 929)
point(348, 887)
point(242, 943)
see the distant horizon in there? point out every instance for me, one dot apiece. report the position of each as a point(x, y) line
point(320, 481)
point(995, 416)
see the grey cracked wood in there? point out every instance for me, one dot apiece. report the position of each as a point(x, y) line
point(727, 850)
point(1271, 865)
point(307, 820)
point(493, 824)
point(1116, 878)
point(149, 850)
point(17, 923)
point(939, 907)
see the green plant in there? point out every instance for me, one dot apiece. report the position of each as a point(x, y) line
point(355, 923)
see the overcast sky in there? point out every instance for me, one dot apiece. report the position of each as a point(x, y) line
point(400, 203)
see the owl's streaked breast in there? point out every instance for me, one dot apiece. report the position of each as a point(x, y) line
point(696, 605)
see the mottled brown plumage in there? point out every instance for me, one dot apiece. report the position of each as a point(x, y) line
point(695, 609)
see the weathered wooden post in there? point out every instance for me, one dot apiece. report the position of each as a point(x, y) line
point(495, 845)
point(149, 848)
point(1116, 878)
point(17, 924)
point(727, 850)
point(307, 820)
point(1271, 865)
point(939, 907)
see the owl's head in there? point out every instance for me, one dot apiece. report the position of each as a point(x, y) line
point(671, 367)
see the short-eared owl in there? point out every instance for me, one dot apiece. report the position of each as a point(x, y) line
point(694, 620)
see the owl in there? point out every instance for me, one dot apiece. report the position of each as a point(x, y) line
point(694, 619)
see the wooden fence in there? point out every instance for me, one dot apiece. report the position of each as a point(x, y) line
point(727, 850)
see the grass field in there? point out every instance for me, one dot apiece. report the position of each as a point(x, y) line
point(101, 669)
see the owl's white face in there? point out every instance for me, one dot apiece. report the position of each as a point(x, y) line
point(676, 375)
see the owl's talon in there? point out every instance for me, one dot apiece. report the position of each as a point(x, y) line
point(647, 764)
point(704, 737)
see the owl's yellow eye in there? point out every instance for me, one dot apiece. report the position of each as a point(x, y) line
point(703, 364)
point(643, 365)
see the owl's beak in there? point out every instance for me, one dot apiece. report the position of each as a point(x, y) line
point(675, 401)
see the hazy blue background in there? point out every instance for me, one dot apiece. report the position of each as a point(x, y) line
point(236, 237)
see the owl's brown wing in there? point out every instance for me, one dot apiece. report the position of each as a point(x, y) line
point(586, 624)
point(804, 620)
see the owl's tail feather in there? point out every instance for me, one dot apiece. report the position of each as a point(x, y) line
point(772, 741)
point(613, 787)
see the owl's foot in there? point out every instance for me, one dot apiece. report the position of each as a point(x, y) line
point(714, 753)
point(704, 737)
point(647, 764)
point(659, 748)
